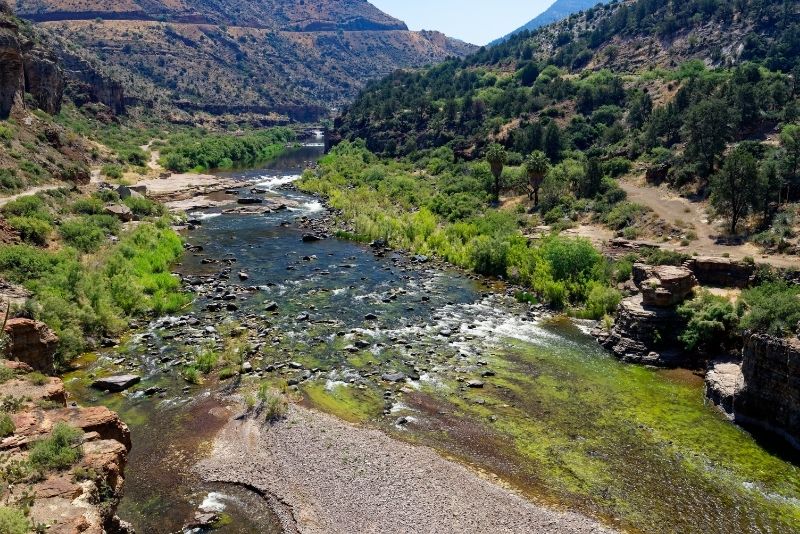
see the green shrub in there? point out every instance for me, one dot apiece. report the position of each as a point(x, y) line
point(7, 426)
point(773, 308)
point(602, 301)
point(206, 360)
point(87, 234)
point(58, 451)
point(37, 379)
point(192, 375)
point(624, 215)
point(712, 322)
point(88, 206)
point(6, 132)
point(13, 521)
point(272, 404)
point(658, 256)
point(27, 206)
point(489, 256)
point(9, 181)
point(31, 229)
point(106, 196)
point(112, 170)
point(144, 207)
point(32, 169)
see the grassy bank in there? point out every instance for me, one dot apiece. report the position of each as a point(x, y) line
point(89, 276)
point(440, 207)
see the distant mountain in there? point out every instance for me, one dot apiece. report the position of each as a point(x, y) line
point(264, 60)
point(560, 10)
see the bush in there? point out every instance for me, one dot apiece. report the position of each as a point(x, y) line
point(657, 256)
point(206, 360)
point(88, 206)
point(602, 301)
point(712, 322)
point(37, 379)
point(13, 521)
point(272, 404)
point(489, 256)
point(9, 181)
point(27, 206)
point(112, 171)
point(58, 451)
point(31, 229)
point(88, 233)
point(144, 207)
point(773, 308)
point(7, 426)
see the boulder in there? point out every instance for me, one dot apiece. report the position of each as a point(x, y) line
point(310, 238)
point(120, 211)
point(393, 377)
point(250, 200)
point(663, 286)
point(31, 342)
point(133, 191)
point(116, 383)
point(724, 382)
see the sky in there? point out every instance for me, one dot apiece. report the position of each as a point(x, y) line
point(475, 21)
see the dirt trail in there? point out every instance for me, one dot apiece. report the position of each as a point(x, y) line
point(32, 191)
point(331, 476)
point(683, 213)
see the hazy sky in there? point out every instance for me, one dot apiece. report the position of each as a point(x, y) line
point(474, 21)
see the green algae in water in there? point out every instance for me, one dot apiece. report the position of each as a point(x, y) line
point(348, 403)
point(629, 442)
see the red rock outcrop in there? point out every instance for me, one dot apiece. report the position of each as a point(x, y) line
point(663, 286)
point(31, 342)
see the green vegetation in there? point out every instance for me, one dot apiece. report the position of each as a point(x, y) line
point(203, 151)
point(773, 307)
point(13, 521)
point(7, 426)
point(271, 403)
point(58, 451)
point(712, 323)
point(96, 294)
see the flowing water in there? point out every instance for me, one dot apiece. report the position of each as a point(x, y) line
point(484, 379)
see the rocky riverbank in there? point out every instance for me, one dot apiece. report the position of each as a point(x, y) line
point(331, 476)
point(67, 496)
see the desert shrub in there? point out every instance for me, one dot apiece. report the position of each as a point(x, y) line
point(658, 256)
point(13, 521)
point(773, 308)
point(58, 451)
point(272, 404)
point(31, 229)
point(112, 170)
point(623, 215)
point(9, 181)
point(711, 321)
point(6, 132)
point(88, 233)
point(37, 379)
point(106, 195)
point(7, 426)
point(32, 169)
point(27, 206)
point(88, 206)
point(143, 207)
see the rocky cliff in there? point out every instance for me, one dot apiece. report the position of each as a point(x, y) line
point(764, 388)
point(281, 60)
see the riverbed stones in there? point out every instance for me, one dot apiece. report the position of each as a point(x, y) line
point(247, 201)
point(393, 377)
point(311, 238)
point(116, 383)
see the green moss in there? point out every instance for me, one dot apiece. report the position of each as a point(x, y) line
point(345, 402)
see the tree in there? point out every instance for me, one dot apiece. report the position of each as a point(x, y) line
point(496, 156)
point(790, 141)
point(552, 142)
point(706, 131)
point(536, 165)
point(736, 188)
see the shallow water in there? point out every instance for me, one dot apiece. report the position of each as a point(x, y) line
point(556, 417)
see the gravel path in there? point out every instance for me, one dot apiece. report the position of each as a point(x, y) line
point(330, 476)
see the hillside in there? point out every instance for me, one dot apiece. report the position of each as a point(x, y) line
point(561, 9)
point(268, 61)
point(696, 97)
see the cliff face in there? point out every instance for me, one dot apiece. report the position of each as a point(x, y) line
point(285, 60)
point(12, 76)
point(767, 392)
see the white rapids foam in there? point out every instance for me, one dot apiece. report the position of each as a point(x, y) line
point(272, 182)
point(203, 216)
point(213, 503)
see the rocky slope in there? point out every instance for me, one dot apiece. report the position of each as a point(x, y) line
point(277, 60)
point(82, 496)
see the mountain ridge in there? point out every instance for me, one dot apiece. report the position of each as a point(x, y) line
point(559, 10)
point(265, 62)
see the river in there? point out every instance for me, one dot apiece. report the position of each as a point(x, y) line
point(486, 380)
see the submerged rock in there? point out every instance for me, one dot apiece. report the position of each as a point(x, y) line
point(116, 383)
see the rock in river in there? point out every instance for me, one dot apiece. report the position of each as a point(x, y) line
point(116, 383)
point(250, 200)
point(310, 238)
point(393, 377)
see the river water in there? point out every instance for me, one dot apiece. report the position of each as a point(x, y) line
point(485, 379)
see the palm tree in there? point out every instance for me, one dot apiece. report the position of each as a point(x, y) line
point(536, 165)
point(496, 156)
